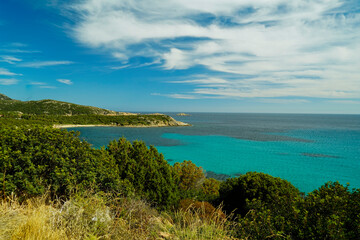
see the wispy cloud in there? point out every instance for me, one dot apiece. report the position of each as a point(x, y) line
point(17, 50)
point(65, 81)
point(275, 48)
point(17, 47)
point(17, 44)
point(134, 65)
point(10, 59)
point(11, 81)
point(120, 67)
point(176, 95)
point(45, 64)
point(41, 85)
point(283, 101)
point(5, 72)
point(345, 101)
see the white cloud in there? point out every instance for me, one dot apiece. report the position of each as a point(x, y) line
point(45, 64)
point(16, 50)
point(5, 72)
point(10, 59)
point(345, 101)
point(65, 81)
point(120, 67)
point(17, 44)
point(11, 81)
point(177, 96)
point(284, 101)
point(42, 85)
point(264, 48)
point(17, 47)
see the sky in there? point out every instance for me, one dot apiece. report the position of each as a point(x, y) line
point(265, 56)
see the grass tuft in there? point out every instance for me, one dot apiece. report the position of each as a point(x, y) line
point(94, 217)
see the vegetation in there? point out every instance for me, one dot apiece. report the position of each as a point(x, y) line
point(54, 185)
point(48, 107)
point(94, 216)
point(13, 118)
point(51, 112)
point(3, 97)
point(239, 194)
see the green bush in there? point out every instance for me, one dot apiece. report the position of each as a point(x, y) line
point(147, 170)
point(275, 193)
point(37, 159)
point(330, 212)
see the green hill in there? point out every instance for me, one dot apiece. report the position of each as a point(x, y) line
point(57, 113)
point(49, 107)
point(3, 97)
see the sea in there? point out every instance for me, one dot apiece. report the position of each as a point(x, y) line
point(306, 149)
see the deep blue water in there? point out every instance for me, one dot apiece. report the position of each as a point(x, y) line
point(307, 150)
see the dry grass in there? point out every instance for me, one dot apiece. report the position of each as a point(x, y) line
point(197, 223)
point(97, 217)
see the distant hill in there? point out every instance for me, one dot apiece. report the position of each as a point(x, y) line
point(50, 107)
point(3, 97)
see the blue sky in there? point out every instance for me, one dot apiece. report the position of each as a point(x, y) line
point(299, 56)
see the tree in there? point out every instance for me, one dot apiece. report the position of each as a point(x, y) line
point(237, 193)
point(147, 170)
point(190, 176)
point(331, 212)
point(211, 187)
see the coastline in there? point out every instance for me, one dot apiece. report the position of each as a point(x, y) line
point(178, 124)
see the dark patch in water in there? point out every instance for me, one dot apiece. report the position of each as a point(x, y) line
point(170, 160)
point(217, 176)
point(319, 155)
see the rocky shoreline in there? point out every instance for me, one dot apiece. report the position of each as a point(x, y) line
point(173, 123)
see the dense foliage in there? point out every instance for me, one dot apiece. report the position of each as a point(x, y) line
point(50, 107)
point(146, 170)
point(273, 207)
point(238, 193)
point(13, 118)
point(35, 159)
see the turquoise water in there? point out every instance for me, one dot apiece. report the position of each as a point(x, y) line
point(307, 150)
point(307, 165)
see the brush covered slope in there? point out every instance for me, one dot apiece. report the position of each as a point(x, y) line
point(49, 107)
point(64, 114)
point(4, 97)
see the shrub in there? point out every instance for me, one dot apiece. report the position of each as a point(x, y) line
point(274, 193)
point(211, 187)
point(39, 158)
point(331, 212)
point(147, 171)
point(190, 176)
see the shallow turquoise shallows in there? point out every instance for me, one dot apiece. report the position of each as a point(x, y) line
point(307, 150)
point(307, 165)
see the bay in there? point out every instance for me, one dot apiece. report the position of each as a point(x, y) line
point(305, 149)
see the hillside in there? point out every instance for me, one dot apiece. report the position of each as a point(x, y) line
point(63, 114)
point(3, 97)
point(50, 107)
